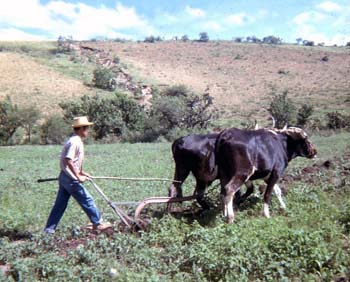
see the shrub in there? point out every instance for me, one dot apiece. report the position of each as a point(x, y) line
point(336, 120)
point(299, 40)
point(177, 108)
point(10, 120)
point(29, 116)
point(63, 44)
point(152, 39)
point(110, 115)
point(203, 37)
point(303, 115)
point(348, 44)
point(54, 130)
point(272, 40)
point(185, 38)
point(282, 109)
point(253, 39)
point(308, 43)
point(238, 39)
point(104, 78)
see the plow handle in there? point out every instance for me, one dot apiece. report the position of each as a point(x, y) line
point(47, 179)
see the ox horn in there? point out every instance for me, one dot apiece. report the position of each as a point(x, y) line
point(256, 126)
point(285, 128)
point(273, 122)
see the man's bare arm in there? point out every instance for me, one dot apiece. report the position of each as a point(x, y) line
point(82, 172)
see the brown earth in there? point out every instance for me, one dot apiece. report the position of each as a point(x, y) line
point(30, 83)
point(241, 76)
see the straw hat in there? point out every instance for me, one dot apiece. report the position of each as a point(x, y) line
point(80, 122)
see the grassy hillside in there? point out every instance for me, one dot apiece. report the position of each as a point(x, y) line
point(308, 242)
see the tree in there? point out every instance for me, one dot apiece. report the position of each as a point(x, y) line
point(185, 38)
point(152, 39)
point(308, 43)
point(303, 115)
point(348, 44)
point(272, 40)
point(282, 109)
point(238, 39)
point(203, 37)
point(10, 120)
point(111, 116)
point(178, 107)
point(54, 130)
point(253, 39)
point(29, 116)
point(299, 40)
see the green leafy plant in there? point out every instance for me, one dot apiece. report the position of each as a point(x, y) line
point(282, 109)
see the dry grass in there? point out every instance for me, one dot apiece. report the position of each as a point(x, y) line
point(28, 82)
point(241, 77)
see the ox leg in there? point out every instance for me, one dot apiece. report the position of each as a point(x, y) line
point(227, 195)
point(250, 190)
point(268, 193)
point(278, 193)
point(180, 176)
point(175, 190)
point(200, 189)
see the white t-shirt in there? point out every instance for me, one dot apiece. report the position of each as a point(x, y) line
point(73, 149)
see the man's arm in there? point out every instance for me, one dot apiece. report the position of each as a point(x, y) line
point(82, 172)
point(79, 175)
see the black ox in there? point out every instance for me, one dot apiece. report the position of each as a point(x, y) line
point(247, 155)
point(196, 154)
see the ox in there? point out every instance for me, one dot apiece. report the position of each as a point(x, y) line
point(247, 155)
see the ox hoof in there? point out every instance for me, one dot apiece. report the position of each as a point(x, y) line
point(230, 220)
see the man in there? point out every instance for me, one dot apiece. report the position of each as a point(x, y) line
point(71, 178)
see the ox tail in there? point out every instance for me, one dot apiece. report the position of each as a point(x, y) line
point(177, 144)
point(219, 141)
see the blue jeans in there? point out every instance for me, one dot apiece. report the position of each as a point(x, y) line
point(70, 187)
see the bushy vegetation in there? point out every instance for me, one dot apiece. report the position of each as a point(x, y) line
point(203, 37)
point(54, 130)
point(173, 111)
point(271, 39)
point(336, 120)
point(185, 38)
point(110, 115)
point(152, 39)
point(282, 109)
point(13, 117)
point(304, 114)
point(104, 78)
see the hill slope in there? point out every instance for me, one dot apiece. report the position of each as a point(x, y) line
point(28, 82)
point(241, 76)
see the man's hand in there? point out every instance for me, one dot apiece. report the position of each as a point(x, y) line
point(82, 178)
point(85, 174)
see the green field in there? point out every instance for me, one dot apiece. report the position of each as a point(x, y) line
point(308, 242)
